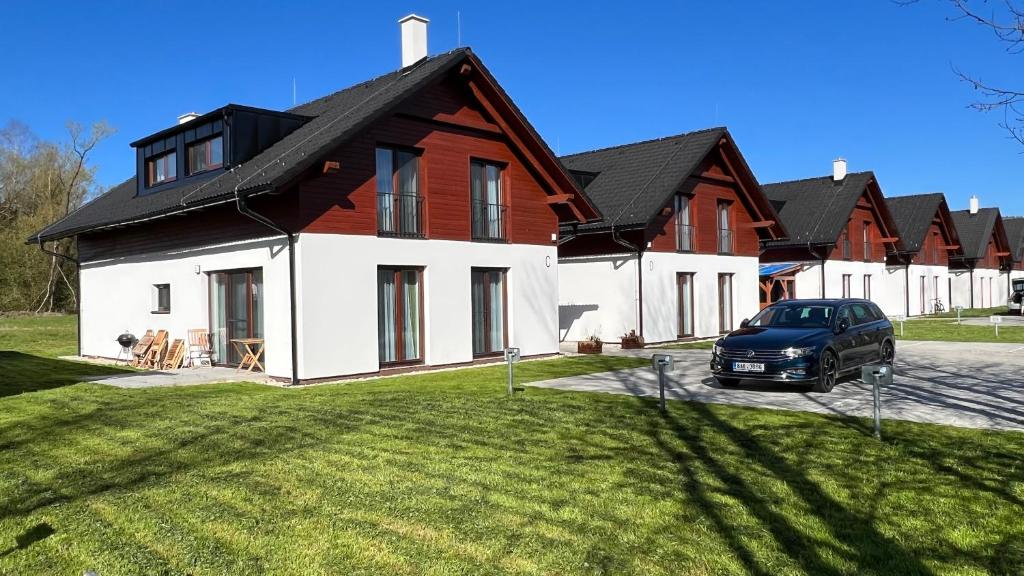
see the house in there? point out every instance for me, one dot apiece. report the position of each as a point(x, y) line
point(675, 255)
point(1014, 226)
point(840, 232)
point(917, 278)
point(979, 278)
point(410, 220)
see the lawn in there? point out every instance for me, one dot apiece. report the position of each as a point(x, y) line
point(444, 474)
point(696, 345)
point(950, 331)
point(974, 312)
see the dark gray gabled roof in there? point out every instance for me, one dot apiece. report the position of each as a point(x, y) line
point(631, 183)
point(634, 181)
point(975, 230)
point(1015, 234)
point(816, 210)
point(335, 118)
point(913, 216)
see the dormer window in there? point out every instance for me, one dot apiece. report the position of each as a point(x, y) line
point(205, 155)
point(161, 169)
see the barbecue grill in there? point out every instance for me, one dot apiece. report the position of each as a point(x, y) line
point(126, 341)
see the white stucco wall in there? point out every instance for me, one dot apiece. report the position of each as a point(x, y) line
point(894, 300)
point(808, 279)
point(117, 295)
point(598, 294)
point(338, 304)
point(990, 288)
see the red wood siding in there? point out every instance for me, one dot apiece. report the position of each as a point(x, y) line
point(933, 245)
point(704, 199)
point(345, 202)
point(855, 227)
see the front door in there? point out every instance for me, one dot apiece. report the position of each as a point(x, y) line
point(236, 311)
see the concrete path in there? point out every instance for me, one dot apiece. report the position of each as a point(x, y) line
point(960, 384)
point(180, 377)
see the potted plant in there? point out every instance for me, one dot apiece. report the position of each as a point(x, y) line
point(592, 345)
point(632, 341)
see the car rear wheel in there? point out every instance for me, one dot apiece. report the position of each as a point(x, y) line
point(728, 382)
point(888, 353)
point(828, 371)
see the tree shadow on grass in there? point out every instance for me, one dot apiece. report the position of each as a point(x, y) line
point(20, 373)
point(687, 446)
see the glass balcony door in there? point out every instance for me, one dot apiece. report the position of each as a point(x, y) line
point(236, 311)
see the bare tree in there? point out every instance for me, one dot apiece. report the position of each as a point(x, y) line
point(1005, 19)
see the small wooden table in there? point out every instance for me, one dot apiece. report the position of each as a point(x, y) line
point(250, 357)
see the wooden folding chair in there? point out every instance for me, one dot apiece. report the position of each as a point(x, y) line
point(141, 348)
point(156, 351)
point(175, 355)
point(199, 347)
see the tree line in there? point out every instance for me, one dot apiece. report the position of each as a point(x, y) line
point(41, 182)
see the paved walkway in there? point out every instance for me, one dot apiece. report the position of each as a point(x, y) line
point(961, 384)
point(180, 377)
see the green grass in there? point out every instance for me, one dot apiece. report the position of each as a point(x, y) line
point(950, 331)
point(697, 345)
point(973, 312)
point(443, 474)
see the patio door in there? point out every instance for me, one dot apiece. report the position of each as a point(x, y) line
point(236, 311)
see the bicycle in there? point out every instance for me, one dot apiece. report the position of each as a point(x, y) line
point(937, 307)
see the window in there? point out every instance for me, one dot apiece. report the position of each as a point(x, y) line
point(488, 294)
point(399, 315)
point(161, 298)
point(399, 204)
point(206, 155)
point(846, 285)
point(236, 311)
point(724, 303)
point(847, 244)
point(724, 232)
point(935, 250)
point(861, 314)
point(935, 292)
point(488, 212)
point(684, 231)
point(685, 281)
point(867, 286)
point(161, 169)
point(867, 241)
point(924, 298)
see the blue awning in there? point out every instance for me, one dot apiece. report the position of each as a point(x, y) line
point(777, 268)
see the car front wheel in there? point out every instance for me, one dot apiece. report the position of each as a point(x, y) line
point(828, 371)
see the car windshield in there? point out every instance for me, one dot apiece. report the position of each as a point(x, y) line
point(1018, 285)
point(795, 316)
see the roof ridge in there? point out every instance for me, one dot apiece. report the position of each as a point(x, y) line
point(648, 141)
point(861, 173)
point(379, 77)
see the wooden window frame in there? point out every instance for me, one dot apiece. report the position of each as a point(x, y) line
point(151, 167)
point(847, 281)
point(487, 317)
point(399, 313)
point(721, 309)
point(156, 304)
point(680, 226)
point(867, 287)
point(866, 237)
point(421, 213)
point(689, 277)
point(504, 200)
point(207, 142)
point(846, 242)
point(250, 274)
point(728, 204)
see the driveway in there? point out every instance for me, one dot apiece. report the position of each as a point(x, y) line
point(960, 384)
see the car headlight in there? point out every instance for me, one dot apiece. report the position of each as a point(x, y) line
point(717, 348)
point(797, 352)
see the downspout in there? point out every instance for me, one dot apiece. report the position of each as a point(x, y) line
point(244, 209)
point(971, 272)
point(906, 287)
point(639, 277)
point(78, 281)
point(814, 253)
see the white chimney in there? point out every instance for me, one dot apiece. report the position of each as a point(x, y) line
point(974, 204)
point(838, 169)
point(414, 39)
point(187, 117)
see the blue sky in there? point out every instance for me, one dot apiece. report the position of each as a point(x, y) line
point(797, 83)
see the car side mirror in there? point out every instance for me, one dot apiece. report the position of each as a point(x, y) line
point(843, 326)
point(745, 322)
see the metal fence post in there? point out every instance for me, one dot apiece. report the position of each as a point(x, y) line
point(511, 357)
point(662, 363)
point(661, 384)
point(878, 406)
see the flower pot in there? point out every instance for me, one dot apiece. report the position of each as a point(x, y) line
point(589, 347)
point(632, 342)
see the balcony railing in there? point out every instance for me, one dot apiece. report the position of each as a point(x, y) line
point(847, 249)
point(400, 215)
point(725, 241)
point(488, 221)
point(867, 251)
point(684, 238)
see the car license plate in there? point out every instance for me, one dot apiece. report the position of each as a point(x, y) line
point(747, 367)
